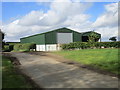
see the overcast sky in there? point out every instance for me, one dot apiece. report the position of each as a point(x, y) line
point(20, 19)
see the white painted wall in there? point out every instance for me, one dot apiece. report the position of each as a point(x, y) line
point(48, 47)
point(58, 47)
point(40, 47)
point(51, 47)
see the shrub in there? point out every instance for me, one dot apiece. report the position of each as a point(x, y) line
point(6, 48)
point(24, 47)
point(11, 47)
point(110, 44)
point(85, 45)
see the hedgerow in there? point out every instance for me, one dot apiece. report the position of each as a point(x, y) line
point(8, 48)
point(24, 47)
point(85, 45)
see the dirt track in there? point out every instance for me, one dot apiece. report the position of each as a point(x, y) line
point(47, 72)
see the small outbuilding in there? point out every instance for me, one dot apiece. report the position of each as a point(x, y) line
point(51, 41)
point(85, 36)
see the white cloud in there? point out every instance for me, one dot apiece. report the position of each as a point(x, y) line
point(108, 32)
point(112, 7)
point(58, 13)
point(63, 14)
point(109, 18)
point(32, 18)
point(107, 23)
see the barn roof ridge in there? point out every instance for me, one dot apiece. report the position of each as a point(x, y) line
point(50, 31)
point(88, 32)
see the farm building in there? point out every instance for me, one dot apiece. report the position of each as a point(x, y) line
point(50, 41)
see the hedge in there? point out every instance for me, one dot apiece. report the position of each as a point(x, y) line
point(8, 48)
point(24, 47)
point(85, 45)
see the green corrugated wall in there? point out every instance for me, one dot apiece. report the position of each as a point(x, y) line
point(50, 38)
point(77, 37)
point(37, 39)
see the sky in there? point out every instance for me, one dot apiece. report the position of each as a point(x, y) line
point(21, 19)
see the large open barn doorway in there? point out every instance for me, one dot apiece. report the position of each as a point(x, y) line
point(85, 38)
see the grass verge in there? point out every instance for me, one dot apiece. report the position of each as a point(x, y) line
point(10, 78)
point(104, 59)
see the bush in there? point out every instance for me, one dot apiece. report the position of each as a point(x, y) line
point(24, 47)
point(110, 44)
point(8, 48)
point(11, 47)
point(85, 45)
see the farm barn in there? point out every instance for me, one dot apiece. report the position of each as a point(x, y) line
point(51, 41)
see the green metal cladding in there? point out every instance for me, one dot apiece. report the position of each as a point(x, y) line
point(77, 37)
point(51, 36)
point(37, 39)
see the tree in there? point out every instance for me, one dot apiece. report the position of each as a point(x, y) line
point(113, 38)
point(92, 39)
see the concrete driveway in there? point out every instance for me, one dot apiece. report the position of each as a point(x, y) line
point(49, 73)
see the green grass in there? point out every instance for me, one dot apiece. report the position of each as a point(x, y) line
point(10, 78)
point(106, 59)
